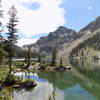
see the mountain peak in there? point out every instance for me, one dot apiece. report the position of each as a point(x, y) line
point(98, 18)
point(93, 26)
point(63, 30)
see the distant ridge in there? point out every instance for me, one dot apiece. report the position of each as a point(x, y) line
point(57, 38)
point(64, 39)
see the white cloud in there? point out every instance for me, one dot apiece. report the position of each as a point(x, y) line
point(90, 7)
point(45, 19)
point(26, 41)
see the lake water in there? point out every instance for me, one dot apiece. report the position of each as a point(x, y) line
point(77, 85)
point(81, 83)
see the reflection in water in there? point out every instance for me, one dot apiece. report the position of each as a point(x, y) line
point(78, 93)
point(64, 80)
point(41, 92)
point(85, 63)
point(58, 86)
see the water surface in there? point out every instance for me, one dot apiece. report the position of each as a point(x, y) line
point(60, 86)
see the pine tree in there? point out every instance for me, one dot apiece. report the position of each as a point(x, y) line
point(61, 63)
point(12, 37)
point(53, 63)
point(39, 58)
point(29, 55)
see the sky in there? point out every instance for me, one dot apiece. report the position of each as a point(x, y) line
point(39, 17)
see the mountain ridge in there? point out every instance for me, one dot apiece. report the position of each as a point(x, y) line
point(64, 39)
point(58, 37)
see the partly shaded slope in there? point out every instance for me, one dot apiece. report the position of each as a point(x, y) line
point(66, 40)
point(54, 39)
point(88, 34)
point(81, 49)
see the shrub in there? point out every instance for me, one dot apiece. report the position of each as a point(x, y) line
point(11, 80)
point(5, 95)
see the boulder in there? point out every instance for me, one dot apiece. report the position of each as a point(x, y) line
point(68, 67)
point(60, 68)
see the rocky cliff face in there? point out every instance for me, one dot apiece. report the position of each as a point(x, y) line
point(93, 26)
point(54, 39)
point(91, 41)
point(65, 39)
point(87, 33)
point(61, 34)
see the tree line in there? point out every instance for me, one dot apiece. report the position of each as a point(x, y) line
point(86, 47)
point(7, 43)
point(9, 39)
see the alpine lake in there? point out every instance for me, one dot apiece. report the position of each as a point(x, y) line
point(80, 83)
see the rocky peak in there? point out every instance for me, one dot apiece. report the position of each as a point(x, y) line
point(98, 18)
point(61, 33)
point(63, 30)
point(93, 26)
point(65, 39)
point(42, 40)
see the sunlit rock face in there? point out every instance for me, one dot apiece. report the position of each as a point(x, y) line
point(93, 26)
point(57, 38)
point(65, 39)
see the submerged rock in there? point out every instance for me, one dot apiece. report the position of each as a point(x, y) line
point(28, 84)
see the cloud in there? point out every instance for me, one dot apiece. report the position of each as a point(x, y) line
point(26, 41)
point(42, 20)
point(90, 7)
point(46, 18)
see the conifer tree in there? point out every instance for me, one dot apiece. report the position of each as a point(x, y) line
point(11, 35)
point(29, 55)
point(39, 58)
point(61, 63)
point(53, 63)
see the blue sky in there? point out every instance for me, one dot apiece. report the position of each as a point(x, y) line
point(39, 17)
point(80, 12)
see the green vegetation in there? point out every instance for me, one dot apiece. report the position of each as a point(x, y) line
point(54, 55)
point(28, 58)
point(8, 67)
point(39, 58)
point(5, 94)
point(7, 79)
point(3, 55)
point(6, 47)
point(3, 73)
point(11, 35)
point(87, 48)
point(7, 52)
point(61, 63)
